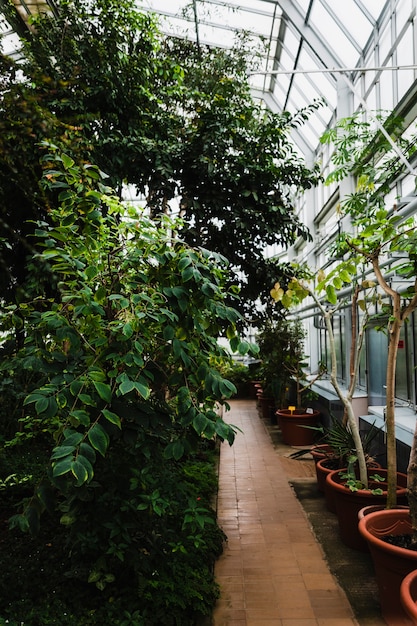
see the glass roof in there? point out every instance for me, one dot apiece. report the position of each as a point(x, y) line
point(300, 42)
point(298, 38)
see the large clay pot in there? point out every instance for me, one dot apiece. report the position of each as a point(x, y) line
point(391, 563)
point(265, 404)
point(323, 468)
point(254, 386)
point(348, 503)
point(293, 427)
point(408, 595)
point(321, 451)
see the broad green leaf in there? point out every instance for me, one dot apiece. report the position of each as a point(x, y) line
point(62, 467)
point(222, 429)
point(98, 438)
point(62, 451)
point(33, 397)
point(91, 271)
point(234, 343)
point(210, 429)
point(243, 347)
point(97, 374)
point(87, 451)
point(127, 330)
point(41, 405)
point(100, 294)
point(52, 408)
point(176, 347)
point(337, 282)
point(126, 387)
point(104, 391)
point(331, 294)
point(227, 388)
point(80, 472)
point(73, 439)
point(76, 387)
point(67, 161)
point(345, 276)
point(86, 399)
point(81, 416)
point(200, 423)
point(187, 274)
point(184, 262)
point(142, 389)
point(112, 417)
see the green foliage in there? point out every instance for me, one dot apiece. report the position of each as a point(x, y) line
point(355, 484)
point(135, 322)
point(277, 342)
point(172, 119)
point(122, 389)
point(281, 346)
point(158, 568)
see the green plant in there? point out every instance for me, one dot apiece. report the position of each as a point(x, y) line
point(126, 392)
point(355, 484)
point(373, 159)
point(169, 117)
point(281, 349)
point(338, 436)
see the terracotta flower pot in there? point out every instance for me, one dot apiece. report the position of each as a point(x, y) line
point(408, 595)
point(377, 507)
point(323, 468)
point(266, 405)
point(321, 451)
point(391, 563)
point(293, 427)
point(348, 503)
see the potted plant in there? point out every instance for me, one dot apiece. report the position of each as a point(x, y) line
point(298, 421)
point(377, 232)
point(338, 452)
point(408, 595)
point(382, 243)
point(280, 350)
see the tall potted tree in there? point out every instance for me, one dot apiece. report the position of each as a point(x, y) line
point(383, 240)
point(377, 231)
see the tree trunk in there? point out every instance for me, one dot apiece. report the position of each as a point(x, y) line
point(412, 485)
point(394, 337)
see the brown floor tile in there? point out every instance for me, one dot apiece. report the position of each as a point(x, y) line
point(272, 571)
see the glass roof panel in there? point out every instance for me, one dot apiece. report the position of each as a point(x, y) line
point(297, 36)
point(331, 32)
point(355, 21)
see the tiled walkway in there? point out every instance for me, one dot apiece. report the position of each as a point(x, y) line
point(272, 572)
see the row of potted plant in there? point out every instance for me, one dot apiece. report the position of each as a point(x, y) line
point(359, 269)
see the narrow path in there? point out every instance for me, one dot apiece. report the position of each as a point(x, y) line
point(272, 572)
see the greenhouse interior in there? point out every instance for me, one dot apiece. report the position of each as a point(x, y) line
point(208, 313)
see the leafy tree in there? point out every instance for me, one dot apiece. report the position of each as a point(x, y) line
point(123, 385)
point(174, 120)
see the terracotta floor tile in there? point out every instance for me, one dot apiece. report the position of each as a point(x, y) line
point(272, 571)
